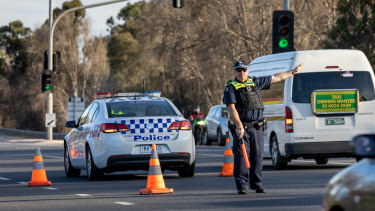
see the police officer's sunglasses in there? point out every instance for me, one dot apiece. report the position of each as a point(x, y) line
point(241, 70)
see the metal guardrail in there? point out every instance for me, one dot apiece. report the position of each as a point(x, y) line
point(30, 134)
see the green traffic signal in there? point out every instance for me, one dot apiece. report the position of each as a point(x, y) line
point(47, 81)
point(282, 31)
point(283, 43)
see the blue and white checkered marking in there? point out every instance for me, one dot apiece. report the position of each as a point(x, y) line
point(142, 126)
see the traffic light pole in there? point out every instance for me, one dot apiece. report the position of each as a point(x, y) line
point(286, 4)
point(52, 25)
point(50, 46)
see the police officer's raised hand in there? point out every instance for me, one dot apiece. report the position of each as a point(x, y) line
point(297, 68)
point(240, 131)
point(284, 75)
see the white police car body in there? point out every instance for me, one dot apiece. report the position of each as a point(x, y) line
point(115, 133)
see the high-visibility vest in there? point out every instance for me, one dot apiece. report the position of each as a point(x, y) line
point(248, 96)
point(238, 85)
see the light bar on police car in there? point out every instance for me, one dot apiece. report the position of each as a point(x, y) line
point(102, 95)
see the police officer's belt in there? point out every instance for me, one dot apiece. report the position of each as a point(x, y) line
point(256, 124)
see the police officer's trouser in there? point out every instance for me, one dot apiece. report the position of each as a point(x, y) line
point(254, 143)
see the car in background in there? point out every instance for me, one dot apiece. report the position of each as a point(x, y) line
point(216, 125)
point(116, 131)
point(354, 187)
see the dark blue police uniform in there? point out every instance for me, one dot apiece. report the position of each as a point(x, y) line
point(253, 137)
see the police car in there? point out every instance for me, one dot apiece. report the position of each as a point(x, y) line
point(116, 131)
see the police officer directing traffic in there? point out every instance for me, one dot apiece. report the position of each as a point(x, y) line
point(245, 106)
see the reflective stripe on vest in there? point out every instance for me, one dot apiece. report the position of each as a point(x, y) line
point(238, 85)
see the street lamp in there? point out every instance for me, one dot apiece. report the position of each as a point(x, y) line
point(52, 24)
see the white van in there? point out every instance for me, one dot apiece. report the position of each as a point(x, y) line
point(316, 113)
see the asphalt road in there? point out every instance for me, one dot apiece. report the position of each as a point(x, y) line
point(299, 187)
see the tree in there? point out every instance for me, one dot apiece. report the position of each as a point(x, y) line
point(123, 48)
point(354, 28)
point(85, 69)
point(84, 65)
point(78, 14)
point(13, 51)
point(188, 53)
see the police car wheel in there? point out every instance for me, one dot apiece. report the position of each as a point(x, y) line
point(206, 140)
point(69, 170)
point(187, 171)
point(93, 172)
point(278, 162)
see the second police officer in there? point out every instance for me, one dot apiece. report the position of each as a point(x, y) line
point(245, 106)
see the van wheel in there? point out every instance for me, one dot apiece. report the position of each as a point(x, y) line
point(93, 172)
point(69, 170)
point(220, 139)
point(206, 141)
point(278, 162)
point(321, 161)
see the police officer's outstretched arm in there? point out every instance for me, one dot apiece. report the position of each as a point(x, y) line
point(236, 120)
point(284, 75)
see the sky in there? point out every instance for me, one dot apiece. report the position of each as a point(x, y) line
point(33, 13)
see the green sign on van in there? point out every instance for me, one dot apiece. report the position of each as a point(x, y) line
point(334, 101)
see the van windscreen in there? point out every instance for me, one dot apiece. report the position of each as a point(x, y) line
point(305, 83)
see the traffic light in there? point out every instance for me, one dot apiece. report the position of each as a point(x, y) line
point(47, 81)
point(178, 3)
point(282, 31)
point(56, 60)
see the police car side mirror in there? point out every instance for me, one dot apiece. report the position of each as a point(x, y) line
point(364, 145)
point(71, 124)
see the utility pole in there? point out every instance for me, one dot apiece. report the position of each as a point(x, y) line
point(52, 25)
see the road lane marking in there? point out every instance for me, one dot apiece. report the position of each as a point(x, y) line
point(211, 155)
point(309, 161)
point(51, 188)
point(207, 174)
point(83, 195)
point(49, 156)
point(22, 183)
point(210, 150)
point(124, 203)
point(3, 178)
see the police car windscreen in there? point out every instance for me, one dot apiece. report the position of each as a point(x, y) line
point(139, 109)
point(305, 83)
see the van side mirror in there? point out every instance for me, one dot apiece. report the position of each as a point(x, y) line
point(71, 124)
point(364, 145)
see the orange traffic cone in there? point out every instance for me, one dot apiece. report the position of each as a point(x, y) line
point(39, 176)
point(155, 181)
point(228, 161)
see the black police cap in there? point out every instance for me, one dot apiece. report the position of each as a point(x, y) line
point(240, 65)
